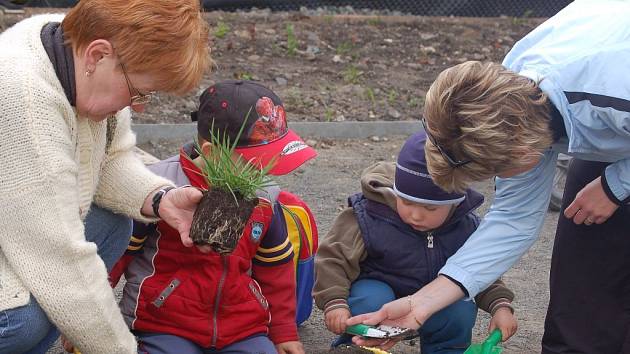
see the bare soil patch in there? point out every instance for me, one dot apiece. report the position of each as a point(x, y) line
point(336, 68)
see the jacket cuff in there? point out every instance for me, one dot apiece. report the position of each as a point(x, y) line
point(609, 193)
point(457, 283)
point(499, 303)
point(462, 278)
point(336, 304)
point(281, 333)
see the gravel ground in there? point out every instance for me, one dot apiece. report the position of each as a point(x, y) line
point(325, 183)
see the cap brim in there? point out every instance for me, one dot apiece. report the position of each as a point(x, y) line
point(290, 152)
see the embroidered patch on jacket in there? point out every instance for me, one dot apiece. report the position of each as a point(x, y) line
point(257, 230)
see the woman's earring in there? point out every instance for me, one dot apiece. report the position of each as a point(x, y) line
point(88, 72)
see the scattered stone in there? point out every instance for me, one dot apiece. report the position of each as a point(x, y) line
point(311, 142)
point(388, 40)
point(253, 57)
point(337, 59)
point(312, 49)
point(427, 36)
point(243, 34)
point(427, 50)
point(281, 81)
point(392, 112)
point(312, 37)
point(375, 138)
point(340, 118)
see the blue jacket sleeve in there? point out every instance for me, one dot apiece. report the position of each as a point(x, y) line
point(617, 180)
point(508, 230)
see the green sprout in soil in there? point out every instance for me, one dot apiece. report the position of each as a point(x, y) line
point(392, 96)
point(221, 30)
point(291, 40)
point(351, 74)
point(243, 76)
point(329, 114)
point(369, 93)
point(237, 176)
point(343, 48)
point(415, 101)
point(517, 21)
point(375, 21)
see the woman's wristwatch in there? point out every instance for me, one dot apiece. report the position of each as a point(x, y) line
point(157, 198)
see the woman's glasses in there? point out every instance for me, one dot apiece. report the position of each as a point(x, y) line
point(453, 162)
point(138, 98)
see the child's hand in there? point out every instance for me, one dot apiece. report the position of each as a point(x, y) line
point(505, 321)
point(336, 320)
point(294, 347)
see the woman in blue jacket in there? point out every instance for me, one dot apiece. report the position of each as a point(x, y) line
point(563, 88)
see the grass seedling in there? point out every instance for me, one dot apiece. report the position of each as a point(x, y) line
point(234, 175)
point(517, 21)
point(392, 96)
point(222, 30)
point(351, 74)
point(328, 114)
point(292, 42)
point(375, 21)
point(343, 48)
point(369, 93)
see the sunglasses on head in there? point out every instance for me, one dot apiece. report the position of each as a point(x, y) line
point(452, 161)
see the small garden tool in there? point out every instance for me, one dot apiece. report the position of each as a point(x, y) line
point(489, 346)
point(385, 332)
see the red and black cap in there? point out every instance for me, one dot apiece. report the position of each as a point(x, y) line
point(228, 105)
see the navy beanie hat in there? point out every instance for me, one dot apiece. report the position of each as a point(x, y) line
point(413, 182)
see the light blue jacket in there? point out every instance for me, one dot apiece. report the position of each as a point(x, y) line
point(581, 57)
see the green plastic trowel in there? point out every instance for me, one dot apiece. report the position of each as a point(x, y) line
point(489, 346)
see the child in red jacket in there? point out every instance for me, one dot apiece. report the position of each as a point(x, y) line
point(180, 300)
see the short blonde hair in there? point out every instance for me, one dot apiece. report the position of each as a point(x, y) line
point(164, 38)
point(487, 114)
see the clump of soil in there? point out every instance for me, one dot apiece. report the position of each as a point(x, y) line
point(220, 219)
point(353, 349)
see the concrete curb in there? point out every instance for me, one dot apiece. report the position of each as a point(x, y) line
point(328, 130)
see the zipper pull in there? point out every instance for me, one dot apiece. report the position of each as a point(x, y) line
point(430, 240)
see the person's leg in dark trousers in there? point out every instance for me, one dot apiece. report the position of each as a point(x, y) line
point(589, 307)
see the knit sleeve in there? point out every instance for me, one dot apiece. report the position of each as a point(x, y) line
point(42, 238)
point(496, 294)
point(125, 182)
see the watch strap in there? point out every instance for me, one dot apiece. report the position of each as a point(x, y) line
point(157, 198)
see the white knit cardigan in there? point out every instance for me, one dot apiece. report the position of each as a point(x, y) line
point(52, 167)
